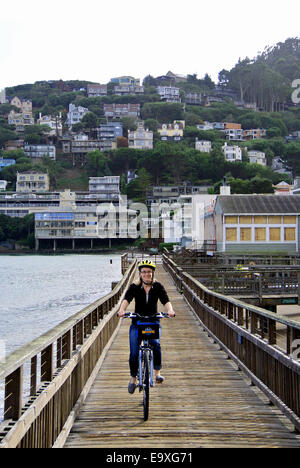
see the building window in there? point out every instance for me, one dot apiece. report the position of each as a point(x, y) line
point(289, 234)
point(289, 220)
point(275, 234)
point(260, 219)
point(275, 219)
point(246, 234)
point(231, 219)
point(231, 234)
point(246, 219)
point(260, 234)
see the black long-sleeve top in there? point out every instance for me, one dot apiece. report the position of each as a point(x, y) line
point(146, 305)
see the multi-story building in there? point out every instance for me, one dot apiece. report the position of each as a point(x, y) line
point(20, 120)
point(233, 131)
point(76, 148)
point(171, 194)
point(257, 157)
point(127, 85)
point(25, 105)
point(75, 114)
point(39, 151)
point(232, 153)
point(193, 99)
point(254, 134)
point(107, 187)
point(126, 81)
point(110, 131)
point(172, 132)
point(169, 93)
point(32, 182)
point(140, 138)
point(203, 145)
point(55, 123)
point(95, 90)
point(121, 110)
point(71, 221)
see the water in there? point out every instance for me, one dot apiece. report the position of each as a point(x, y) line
point(38, 292)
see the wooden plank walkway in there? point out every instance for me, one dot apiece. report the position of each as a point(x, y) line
point(204, 401)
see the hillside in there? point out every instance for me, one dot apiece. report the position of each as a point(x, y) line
point(264, 81)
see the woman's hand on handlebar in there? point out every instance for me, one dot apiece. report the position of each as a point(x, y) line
point(121, 313)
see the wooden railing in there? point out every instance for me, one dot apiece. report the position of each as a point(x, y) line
point(263, 344)
point(60, 367)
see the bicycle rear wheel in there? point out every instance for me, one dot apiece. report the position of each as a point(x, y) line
point(146, 386)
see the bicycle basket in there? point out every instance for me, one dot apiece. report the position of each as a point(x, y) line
point(148, 331)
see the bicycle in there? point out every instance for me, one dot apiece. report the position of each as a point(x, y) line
point(147, 330)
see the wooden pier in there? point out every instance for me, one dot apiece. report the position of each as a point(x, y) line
point(204, 402)
point(232, 377)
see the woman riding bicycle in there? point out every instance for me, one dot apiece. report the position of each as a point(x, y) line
point(146, 293)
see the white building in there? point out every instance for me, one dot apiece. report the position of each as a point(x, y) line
point(39, 151)
point(75, 114)
point(169, 93)
point(257, 157)
point(55, 123)
point(3, 185)
point(232, 153)
point(203, 146)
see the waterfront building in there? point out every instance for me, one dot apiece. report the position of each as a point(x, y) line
point(73, 222)
point(256, 223)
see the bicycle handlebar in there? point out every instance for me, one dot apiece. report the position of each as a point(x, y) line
point(157, 315)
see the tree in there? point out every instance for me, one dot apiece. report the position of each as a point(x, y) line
point(97, 164)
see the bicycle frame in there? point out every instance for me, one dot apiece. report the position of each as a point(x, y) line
point(145, 347)
point(146, 364)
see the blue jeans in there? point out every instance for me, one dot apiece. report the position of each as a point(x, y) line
point(134, 351)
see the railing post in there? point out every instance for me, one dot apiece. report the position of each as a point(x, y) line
point(47, 364)
point(271, 332)
point(13, 395)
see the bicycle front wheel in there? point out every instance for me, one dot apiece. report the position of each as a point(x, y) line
point(146, 386)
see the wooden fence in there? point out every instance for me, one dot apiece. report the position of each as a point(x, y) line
point(62, 366)
point(264, 345)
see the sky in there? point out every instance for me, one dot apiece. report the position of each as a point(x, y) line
point(96, 40)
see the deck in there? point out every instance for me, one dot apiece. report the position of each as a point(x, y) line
point(204, 402)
